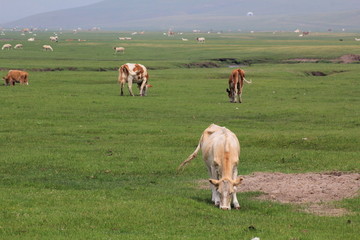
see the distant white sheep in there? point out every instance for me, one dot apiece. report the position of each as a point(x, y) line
point(119, 49)
point(6, 46)
point(47, 47)
point(18, 46)
point(54, 38)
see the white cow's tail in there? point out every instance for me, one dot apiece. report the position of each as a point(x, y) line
point(191, 157)
point(249, 82)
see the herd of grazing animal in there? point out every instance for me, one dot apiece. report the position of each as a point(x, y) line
point(220, 147)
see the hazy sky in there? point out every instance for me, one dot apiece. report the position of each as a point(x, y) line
point(15, 9)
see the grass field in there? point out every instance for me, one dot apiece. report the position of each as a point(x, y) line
point(78, 161)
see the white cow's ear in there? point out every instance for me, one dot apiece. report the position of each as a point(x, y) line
point(238, 181)
point(214, 182)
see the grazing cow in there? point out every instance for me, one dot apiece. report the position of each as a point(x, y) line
point(357, 39)
point(220, 150)
point(16, 76)
point(6, 46)
point(185, 39)
point(119, 49)
point(18, 46)
point(54, 38)
point(200, 40)
point(129, 73)
point(236, 83)
point(31, 39)
point(47, 47)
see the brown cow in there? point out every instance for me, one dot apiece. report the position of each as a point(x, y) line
point(16, 76)
point(236, 83)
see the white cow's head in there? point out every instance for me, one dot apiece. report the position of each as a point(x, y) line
point(225, 188)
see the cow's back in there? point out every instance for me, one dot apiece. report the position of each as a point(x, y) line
point(18, 75)
point(221, 145)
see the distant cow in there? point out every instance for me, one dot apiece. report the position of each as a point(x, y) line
point(31, 39)
point(129, 73)
point(200, 40)
point(220, 150)
point(119, 49)
point(357, 39)
point(54, 38)
point(6, 46)
point(47, 48)
point(16, 76)
point(18, 46)
point(236, 83)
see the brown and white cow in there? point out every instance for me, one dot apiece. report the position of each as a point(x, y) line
point(236, 83)
point(16, 76)
point(132, 72)
point(220, 150)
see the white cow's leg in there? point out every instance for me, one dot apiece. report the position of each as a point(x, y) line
point(130, 87)
point(213, 190)
point(143, 88)
point(235, 200)
point(216, 195)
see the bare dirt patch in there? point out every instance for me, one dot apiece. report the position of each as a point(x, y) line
point(316, 192)
point(350, 58)
point(347, 58)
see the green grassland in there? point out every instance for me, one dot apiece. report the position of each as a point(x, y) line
point(78, 161)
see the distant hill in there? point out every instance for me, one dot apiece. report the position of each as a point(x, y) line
point(308, 15)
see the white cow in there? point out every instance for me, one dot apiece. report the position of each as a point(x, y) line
point(6, 46)
point(119, 49)
point(357, 39)
point(47, 47)
point(129, 73)
point(54, 38)
point(18, 46)
point(200, 40)
point(31, 39)
point(220, 150)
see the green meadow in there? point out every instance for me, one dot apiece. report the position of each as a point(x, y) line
point(78, 161)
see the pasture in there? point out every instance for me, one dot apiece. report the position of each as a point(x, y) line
point(78, 161)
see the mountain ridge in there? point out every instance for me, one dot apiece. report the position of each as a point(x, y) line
point(204, 14)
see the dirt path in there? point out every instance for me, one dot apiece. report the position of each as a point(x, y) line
point(315, 191)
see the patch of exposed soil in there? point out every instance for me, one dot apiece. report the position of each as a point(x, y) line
point(348, 58)
point(315, 191)
point(202, 65)
point(317, 73)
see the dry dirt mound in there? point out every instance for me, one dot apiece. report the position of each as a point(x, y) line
point(315, 190)
point(350, 58)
